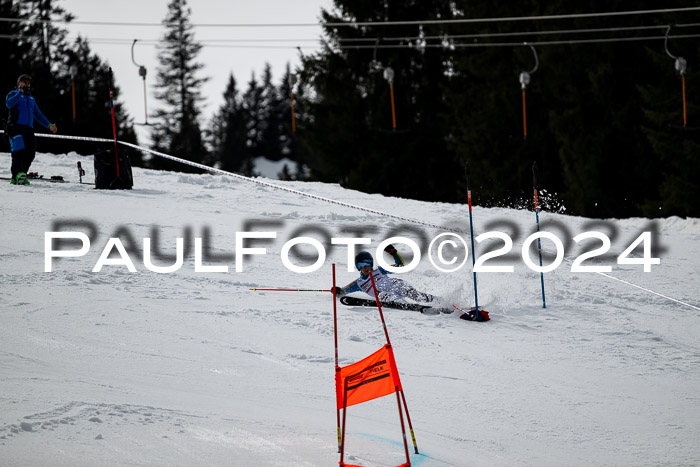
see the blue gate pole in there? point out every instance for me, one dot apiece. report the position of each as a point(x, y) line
point(471, 229)
point(537, 218)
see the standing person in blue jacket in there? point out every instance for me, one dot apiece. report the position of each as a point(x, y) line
point(389, 289)
point(20, 128)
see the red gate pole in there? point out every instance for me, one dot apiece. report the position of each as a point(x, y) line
point(410, 425)
point(337, 368)
point(379, 306)
point(403, 427)
point(345, 411)
point(386, 333)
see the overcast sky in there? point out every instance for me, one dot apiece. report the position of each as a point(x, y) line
point(219, 59)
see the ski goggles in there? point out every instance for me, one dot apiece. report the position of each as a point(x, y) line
point(362, 264)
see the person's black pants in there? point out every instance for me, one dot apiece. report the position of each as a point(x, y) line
point(23, 145)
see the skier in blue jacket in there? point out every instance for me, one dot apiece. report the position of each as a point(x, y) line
point(389, 289)
point(23, 110)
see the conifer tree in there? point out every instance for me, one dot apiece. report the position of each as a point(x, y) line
point(270, 123)
point(254, 114)
point(177, 130)
point(227, 136)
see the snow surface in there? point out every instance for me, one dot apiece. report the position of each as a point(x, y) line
point(186, 368)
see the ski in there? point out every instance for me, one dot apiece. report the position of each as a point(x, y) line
point(53, 179)
point(364, 302)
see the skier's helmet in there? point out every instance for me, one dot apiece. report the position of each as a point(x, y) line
point(363, 259)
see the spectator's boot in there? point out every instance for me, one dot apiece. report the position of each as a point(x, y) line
point(22, 179)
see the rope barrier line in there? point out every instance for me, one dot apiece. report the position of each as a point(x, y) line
point(253, 180)
point(649, 290)
point(290, 190)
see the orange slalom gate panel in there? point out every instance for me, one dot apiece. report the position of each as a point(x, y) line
point(372, 377)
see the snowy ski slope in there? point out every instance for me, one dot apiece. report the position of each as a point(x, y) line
point(188, 368)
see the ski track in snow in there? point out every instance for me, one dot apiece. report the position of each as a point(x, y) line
point(115, 368)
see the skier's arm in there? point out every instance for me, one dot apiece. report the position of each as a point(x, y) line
point(40, 117)
point(13, 98)
point(350, 288)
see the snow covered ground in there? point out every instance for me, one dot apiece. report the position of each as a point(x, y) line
point(190, 368)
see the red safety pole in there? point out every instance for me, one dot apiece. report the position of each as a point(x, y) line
point(389, 76)
point(685, 120)
point(393, 108)
point(114, 124)
point(524, 116)
point(524, 79)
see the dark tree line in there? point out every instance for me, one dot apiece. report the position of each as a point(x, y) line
point(257, 123)
point(603, 119)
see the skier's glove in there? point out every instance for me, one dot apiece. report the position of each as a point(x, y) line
point(392, 251)
point(338, 290)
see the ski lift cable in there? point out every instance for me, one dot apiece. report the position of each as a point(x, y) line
point(442, 36)
point(511, 34)
point(454, 36)
point(519, 44)
point(413, 46)
point(370, 23)
point(397, 38)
